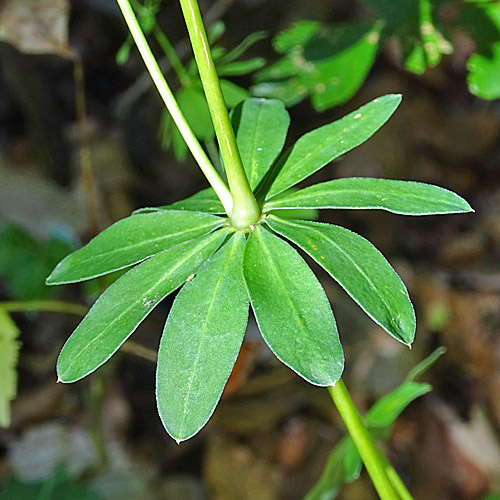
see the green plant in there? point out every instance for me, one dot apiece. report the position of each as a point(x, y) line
point(189, 95)
point(56, 486)
point(9, 352)
point(230, 252)
point(344, 463)
point(328, 63)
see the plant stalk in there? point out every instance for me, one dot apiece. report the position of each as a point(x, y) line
point(171, 55)
point(246, 210)
point(166, 94)
point(367, 448)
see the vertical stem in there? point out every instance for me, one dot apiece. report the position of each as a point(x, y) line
point(246, 211)
point(97, 389)
point(154, 70)
point(84, 154)
point(363, 441)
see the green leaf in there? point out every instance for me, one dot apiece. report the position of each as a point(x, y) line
point(418, 370)
point(25, 262)
point(243, 46)
point(9, 352)
point(205, 200)
point(193, 104)
point(387, 409)
point(261, 126)
point(359, 268)
point(329, 63)
point(352, 462)
point(202, 337)
point(238, 68)
point(330, 483)
point(125, 304)
point(233, 94)
point(399, 197)
point(58, 485)
point(296, 37)
point(340, 77)
point(484, 74)
point(129, 241)
point(292, 310)
point(319, 147)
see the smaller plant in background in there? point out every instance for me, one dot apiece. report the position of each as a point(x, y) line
point(190, 96)
point(344, 464)
point(328, 63)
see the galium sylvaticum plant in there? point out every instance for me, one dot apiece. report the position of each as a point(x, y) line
point(228, 247)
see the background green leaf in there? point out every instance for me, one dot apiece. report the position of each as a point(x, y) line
point(9, 352)
point(261, 126)
point(344, 464)
point(319, 147)
point(399, 197)
point(291, 308)
point(359, 268)
point(57, 486)
point(125, 304)
point(200, 344)
point(329, 63)
point(131, 240)
point(26, 261)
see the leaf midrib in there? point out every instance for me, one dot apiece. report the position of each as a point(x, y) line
point(353, 261)
point(146, 242)
point(306, 196)
point(127, 309)
point(279, 279)
point(304, 158)
point(203, 337)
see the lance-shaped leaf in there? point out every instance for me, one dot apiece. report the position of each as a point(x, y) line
point(124, 305)
point(319, 147)
point(359, 268)
point(202, 337)
point(129, 241)
point(261, 126)
point(292, 310)
point(399, 197)
point(205, 200)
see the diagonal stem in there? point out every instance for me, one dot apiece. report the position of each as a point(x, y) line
point(371, 455)
point(245, 211)
point(166, 94)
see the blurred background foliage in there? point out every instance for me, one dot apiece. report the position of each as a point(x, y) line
point(84, 141)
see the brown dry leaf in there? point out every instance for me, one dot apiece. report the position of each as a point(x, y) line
point(36, 26)
point(242, 368)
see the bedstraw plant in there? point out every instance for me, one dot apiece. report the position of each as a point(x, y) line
point(228, 247)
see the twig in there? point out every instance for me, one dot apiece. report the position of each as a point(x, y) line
point(124, 101)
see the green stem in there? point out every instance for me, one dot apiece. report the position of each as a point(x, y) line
point(56, 306)
point(363, 441)
point(166, 94)
point(245, 211)
point(171, 55)
point(396, 481)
